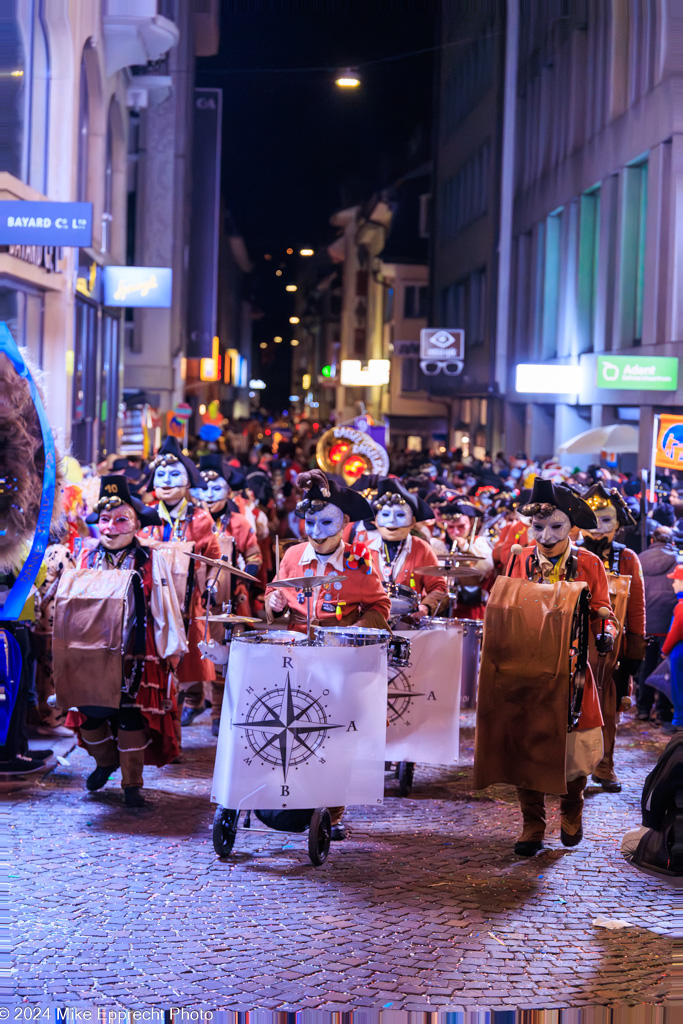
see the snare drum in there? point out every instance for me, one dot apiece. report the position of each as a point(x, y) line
point(404, 601)
point(472, 631)
point(398, 648)
point(281, 637)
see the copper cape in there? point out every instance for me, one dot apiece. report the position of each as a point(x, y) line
point(94, 614)
point(524, 685)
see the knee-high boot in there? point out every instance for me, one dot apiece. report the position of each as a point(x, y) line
point(571, 812)
point(532, 804)
point(132, 745)
point(101, 745)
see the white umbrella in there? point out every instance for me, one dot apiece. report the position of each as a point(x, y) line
point(619, 437)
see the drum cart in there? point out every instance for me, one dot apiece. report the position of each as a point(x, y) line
point(226, 821)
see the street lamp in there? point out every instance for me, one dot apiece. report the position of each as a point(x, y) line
point(348, 79)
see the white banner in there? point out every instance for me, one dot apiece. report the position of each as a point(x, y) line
point(302, 727)
point(424, 699)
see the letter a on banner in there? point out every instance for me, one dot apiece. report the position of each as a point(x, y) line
point(669, 447)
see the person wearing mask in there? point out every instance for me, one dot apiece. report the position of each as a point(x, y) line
point(657, 562)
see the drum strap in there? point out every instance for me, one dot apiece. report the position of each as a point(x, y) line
point(139, 636)
point(580, 641)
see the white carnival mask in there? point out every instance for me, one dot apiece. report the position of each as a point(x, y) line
point(607, 522)
point(324, 524)
point(214, 493)
point(394, 517)
point(171, 481)
point(550, 530)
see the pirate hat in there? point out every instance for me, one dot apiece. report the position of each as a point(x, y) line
point(215, 463)
point(420, 507)
point(545, 492)
point(598, 497)
point(172, 452)
point(317, 488)
point(114, 492)
point(450, 506)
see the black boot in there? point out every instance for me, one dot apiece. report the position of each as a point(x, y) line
point(133, 796)
point(528, 848)
point(100, 777)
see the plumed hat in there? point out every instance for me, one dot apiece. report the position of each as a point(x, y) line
point(215, 463)
point(545, 492)
point(171, 451)
point(319, 491)
point(114, 492)
point(386, 489)
point(599, 497)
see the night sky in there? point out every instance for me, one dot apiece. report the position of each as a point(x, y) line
point(296, 148)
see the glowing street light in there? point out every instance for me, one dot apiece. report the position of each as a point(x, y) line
point(294, 319)
point(348, 79)
point(290, 287)
point(294, 342)
point(264, 344)
point(277, 339)
point(305, 252)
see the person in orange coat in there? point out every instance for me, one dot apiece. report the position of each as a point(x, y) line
point(399, 553)
point(514, 532)
point(172, 476)
point(359, 599)
point(611, 512)
point(554, 510)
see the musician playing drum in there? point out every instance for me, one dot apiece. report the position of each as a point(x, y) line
point(612, 512)
point(182, 520)
point(398, 551)
point(142, 731)
point(554, 510)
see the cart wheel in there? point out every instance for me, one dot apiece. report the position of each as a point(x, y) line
point(224, 830)
point(319, 833)
point(405, 777)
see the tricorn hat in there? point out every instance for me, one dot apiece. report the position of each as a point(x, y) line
point(215, 463)
point(545, 492)
point(319, 491)
point(386, 488)
point(598, 497)
point(114, 492)
point(171, 451)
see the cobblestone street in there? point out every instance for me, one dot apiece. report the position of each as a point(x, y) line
point(423, 907)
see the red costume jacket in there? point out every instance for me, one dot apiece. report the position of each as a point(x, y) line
point(512, 533)
point(591, 570)
point(359, 599)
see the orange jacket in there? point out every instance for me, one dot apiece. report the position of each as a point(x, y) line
point(512, 533)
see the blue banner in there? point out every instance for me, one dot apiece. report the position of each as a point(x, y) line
point(26, 222)
point(138, 286)
point(17, 597)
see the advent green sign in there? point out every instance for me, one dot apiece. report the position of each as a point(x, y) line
point(638, 373)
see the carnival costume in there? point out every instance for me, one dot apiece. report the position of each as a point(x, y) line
point(538, 716)
point(625, 576)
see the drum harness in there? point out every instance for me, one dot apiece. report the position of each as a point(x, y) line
point(580, 633)
point(129, 559)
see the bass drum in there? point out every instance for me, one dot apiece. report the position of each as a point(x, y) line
point(472, 631)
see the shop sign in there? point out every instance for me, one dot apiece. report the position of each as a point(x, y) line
point(638, 373)
point(27, 222)
point(47, 257)
point(669, 446)
point(442, 351)
point(138, 286)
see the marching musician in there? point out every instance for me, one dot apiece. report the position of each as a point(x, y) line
point(219, 479)
point(460, 520)
point(182, 520)
point(611, 512)
point(399, 553)
point(554, 510)
point(514, 531)
point(142, 731)
point(359, 599)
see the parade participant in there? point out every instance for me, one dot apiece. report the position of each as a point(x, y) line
point(515, 531)
point(142, 730)
point(219, 480)
point(172, 475)
point(326, 508)
point(398, 552)
point(359, 599)
point(460, 520)
point(673, 649)
point(515, 742)
point(49, 720)
point(611, 512)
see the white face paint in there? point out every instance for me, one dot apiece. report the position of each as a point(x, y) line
point(550, 531)
point(324, 528)
point(214, 494)
point(607, 522)
point(394, 521)
point(171, 482)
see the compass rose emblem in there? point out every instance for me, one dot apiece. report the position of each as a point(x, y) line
point(286, 726)
point(400, 697)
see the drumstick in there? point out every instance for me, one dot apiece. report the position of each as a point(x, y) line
point(516, 550)
point(277, 557)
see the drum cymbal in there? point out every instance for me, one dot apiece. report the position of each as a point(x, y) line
point(299, 582)
point(218, 563)
point(234, 620)
point(461, 573)
point(459, 557)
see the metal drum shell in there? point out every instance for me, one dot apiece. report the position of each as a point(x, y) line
point(349, 636)
point(276, 637)
point(404, 601)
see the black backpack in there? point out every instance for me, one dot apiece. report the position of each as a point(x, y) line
point(661, 848)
